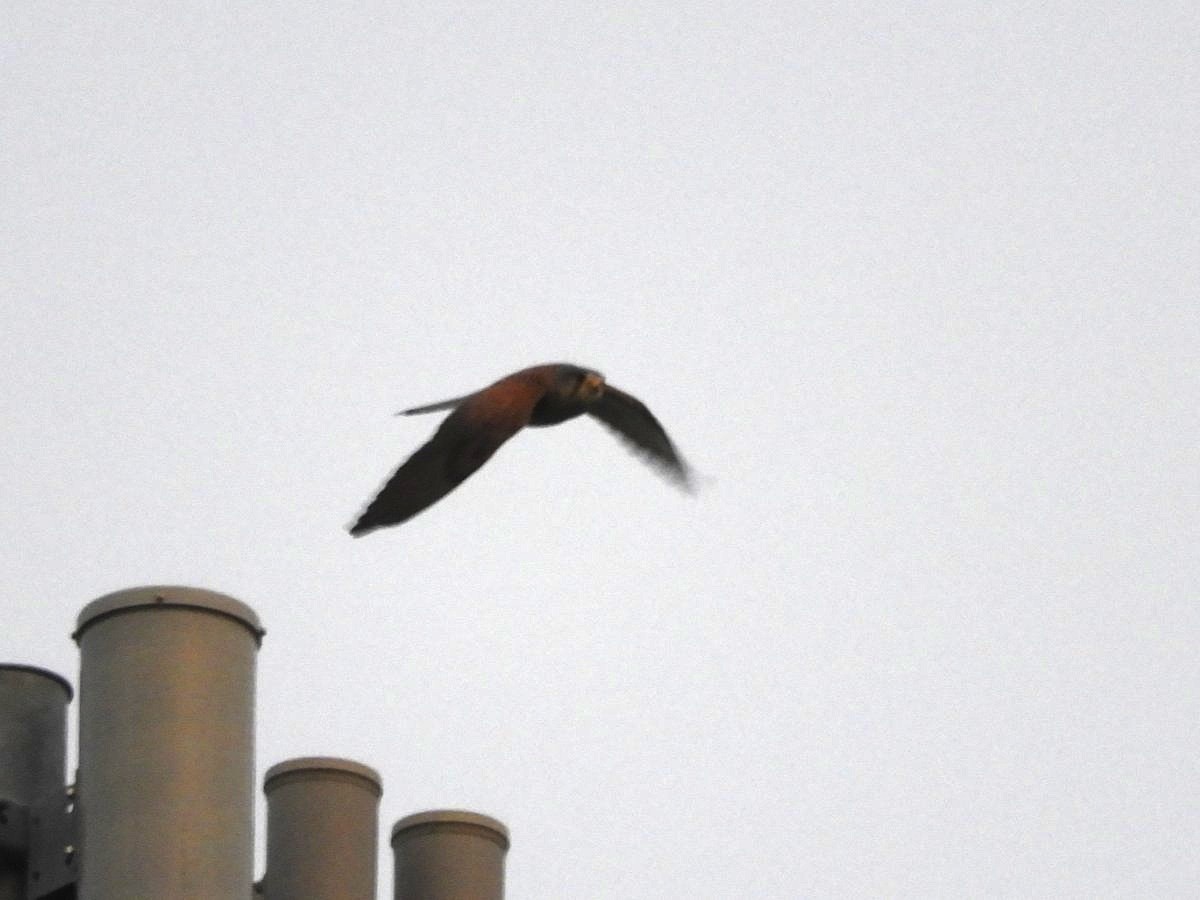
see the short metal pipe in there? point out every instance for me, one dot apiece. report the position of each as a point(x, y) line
point(33, 732)
point(322, 829)
point(33, 752)
point(166, 745)
point(449, 855)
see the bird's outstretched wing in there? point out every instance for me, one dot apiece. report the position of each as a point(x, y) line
point(636, 425)
point(465, 441)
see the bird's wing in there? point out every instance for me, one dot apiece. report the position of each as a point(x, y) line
point(464, 442)
point(636, 425)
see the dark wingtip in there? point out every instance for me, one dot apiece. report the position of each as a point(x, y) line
point(359, 528)
point(692, 482)
point(680, 476)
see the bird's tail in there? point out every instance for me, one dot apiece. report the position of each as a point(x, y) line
point(432, 407)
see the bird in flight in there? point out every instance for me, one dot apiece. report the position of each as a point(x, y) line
point(481, 422)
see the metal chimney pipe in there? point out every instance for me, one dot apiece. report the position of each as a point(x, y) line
point(33, 732)
point(322, 829)
point(166, 745)
point(449, 855)
point(33, 753)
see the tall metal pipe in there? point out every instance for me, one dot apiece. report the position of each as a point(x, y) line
point(33, 752)
point(322, 829)
point(166, 745)
point(449, 855)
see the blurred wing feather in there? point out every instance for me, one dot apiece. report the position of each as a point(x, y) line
point(635, 424)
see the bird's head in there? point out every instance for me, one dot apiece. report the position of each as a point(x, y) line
point(580, 385)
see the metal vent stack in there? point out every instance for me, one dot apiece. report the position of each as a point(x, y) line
point(163, 805)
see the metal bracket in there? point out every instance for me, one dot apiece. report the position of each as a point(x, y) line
point(14, 829)
point(53, 844)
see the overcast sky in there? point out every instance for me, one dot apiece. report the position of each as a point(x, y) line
point(914, 287)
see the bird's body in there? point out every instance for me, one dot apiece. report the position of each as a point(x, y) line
point(481, 422)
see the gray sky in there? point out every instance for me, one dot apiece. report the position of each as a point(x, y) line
point(914, 287)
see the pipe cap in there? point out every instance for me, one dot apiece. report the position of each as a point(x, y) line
point(452, 820)
point(168, 596)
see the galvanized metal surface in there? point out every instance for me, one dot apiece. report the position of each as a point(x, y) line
point(449, 855)
point(166, 745)
point(322, 829)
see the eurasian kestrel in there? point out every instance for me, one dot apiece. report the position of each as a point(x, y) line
point(481, 422)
